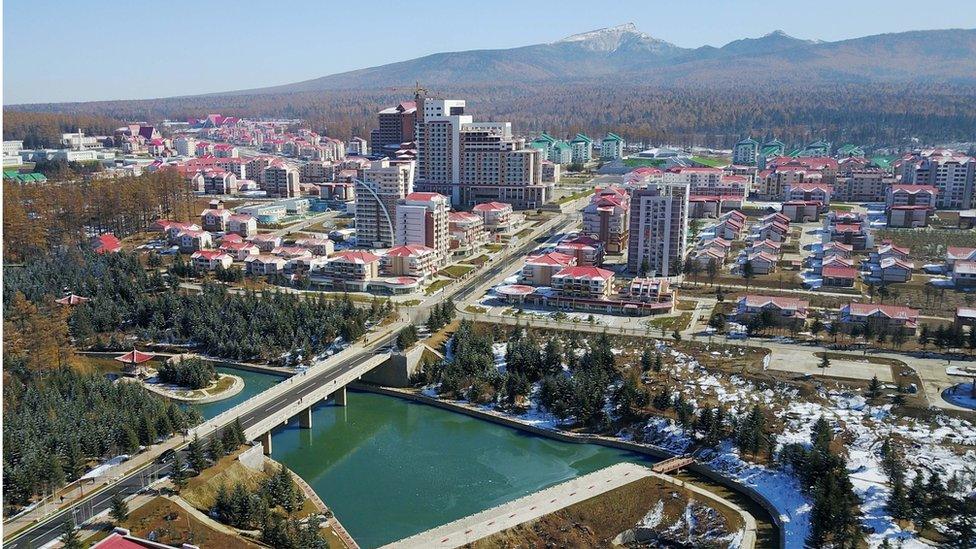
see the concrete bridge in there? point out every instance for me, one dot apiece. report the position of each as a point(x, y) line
point(303, 395)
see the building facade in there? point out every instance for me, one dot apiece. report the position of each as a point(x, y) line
point(657, 237)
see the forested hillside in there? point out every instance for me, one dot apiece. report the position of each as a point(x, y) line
point(717, 115)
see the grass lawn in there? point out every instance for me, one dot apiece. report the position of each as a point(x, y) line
point(524, 233)
point(712, 161)
point(927, 245)
point(574, 196)
point(686, 305)
point(480, 260)
point(494, 247)
point(475, 309)
point(671, 323)
point(640, 162)
point(455, 271)
point(410, 303)
point(437, 285)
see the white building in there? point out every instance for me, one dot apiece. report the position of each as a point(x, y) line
point(658, 229)
point(281, 180)
point(384, 184)
point(423, 218)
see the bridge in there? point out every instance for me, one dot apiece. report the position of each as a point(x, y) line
point(262, 413)
point(672, 464)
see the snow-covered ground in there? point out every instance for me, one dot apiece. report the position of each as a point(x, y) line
point(866, 427)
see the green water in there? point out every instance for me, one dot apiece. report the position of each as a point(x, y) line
point(390, 468)
point(254, 383)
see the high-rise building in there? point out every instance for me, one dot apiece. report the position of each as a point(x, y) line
point(384, 183)
point(475, 162)
point(950, 172)
point(423, 218)
point(745, 152)
point(396, 125)
point(612, 147)
point(281, 180)
point(658, 229)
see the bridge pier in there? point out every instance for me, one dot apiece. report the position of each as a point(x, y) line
point(340, 397)
point(305, 418)
point(266, 443)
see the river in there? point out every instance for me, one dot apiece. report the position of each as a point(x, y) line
point(390, 468)
point(254, 383)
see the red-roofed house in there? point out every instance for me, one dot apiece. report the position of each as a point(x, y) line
point(214, 219)
point(958, 253)
point(839, 276)
point(893, 269)
point(190, 241)
point(809, 192)
point(209, 260)
point(586, 282)
point(413, 260)
point(264, 264)
point(71, 300)
point(882, 318)
point(240, 251)
point(245, 225)
point(762, 262)
point(785, 310)
point(498, 216)
point(539, 269)
point(106, 244)
point(964, 274)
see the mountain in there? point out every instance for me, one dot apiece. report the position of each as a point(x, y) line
point(627, 55)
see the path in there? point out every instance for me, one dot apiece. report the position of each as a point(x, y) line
point(550, 500)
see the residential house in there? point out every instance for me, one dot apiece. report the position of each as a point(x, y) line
point(783, 311)
point(209, 260)
point(264, 264)
point(839, 276)
point(265, 242)
point(802, 211)
point(190, 241)
point(964, 274)
point(318, 246)
point(894, 269)
point(881, 318)
point(467, 231)
point(215, 219)
point(106, 243)
point(958, 253)
point(762, 263)
point(242, 224)
point(240, 251)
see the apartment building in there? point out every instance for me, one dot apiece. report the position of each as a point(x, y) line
point(863, 185)
point(495, 166)
point(658, 229)
point(438, 134)
point(498, 216)
point(586, 282)
point(281, 180)
point(467, 232)
point(384, 184)
point(539, 269)
point(348, 270)
point(612, 147)
point(607, 217)
point(413, 260)
point(582, 149)
point(396, 125)
point(318, 171)
point(587, 250)
point(952, 173)
point(422, 219)
point(745, 152)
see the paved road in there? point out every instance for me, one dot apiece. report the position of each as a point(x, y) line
point(52, 527)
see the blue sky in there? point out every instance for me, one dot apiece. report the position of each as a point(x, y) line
point(89, 50)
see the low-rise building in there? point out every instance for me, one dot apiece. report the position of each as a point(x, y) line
point(964, 274)
point(882, 318)
point(539, 269)
point(586, 249)
point(965, 316)
point(413, 260)
point(264, 264)
point(215, 219)
point(209, 260)
point(836, 249)
point(839, 276)
point(467, 232)
point(190, 241)
point(958, 253)
point(893, 269)
point(802, 211)
point(349, 270)
point(587, 282)
point(498, 216)
point(318, 246)
point(783, 311)
point(240, 251)
point(762, 263)
point(242, 224)
point(265, 242)
point(908, 217)
point(650, 290)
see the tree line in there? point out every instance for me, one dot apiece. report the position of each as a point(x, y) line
point(193, 373)
point(715, 115)
point(57, 422)
point(38, 217)
point(42, 130)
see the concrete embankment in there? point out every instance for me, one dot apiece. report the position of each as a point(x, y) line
point(767, 516)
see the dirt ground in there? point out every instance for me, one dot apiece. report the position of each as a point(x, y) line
point(173, 525)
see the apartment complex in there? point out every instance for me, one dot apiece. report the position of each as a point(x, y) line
point(745, 152)
point(384, 184)
point(950, 172)
point(423, 219)
point(658, 228)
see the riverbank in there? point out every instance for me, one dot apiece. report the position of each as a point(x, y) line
point(769, 519)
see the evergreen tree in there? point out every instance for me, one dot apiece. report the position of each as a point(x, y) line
point(119, 510)
point(196, 454)
point(178, 475)
point(147, 431)
point(647, 359)
point(70, 538)
point(127, 440)
point(215, 449)
point(874, 388)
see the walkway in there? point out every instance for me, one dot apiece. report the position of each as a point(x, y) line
point(533, 506)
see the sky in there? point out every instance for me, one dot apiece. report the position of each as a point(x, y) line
point(55, 51)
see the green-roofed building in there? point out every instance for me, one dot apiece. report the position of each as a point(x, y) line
point(848, 150)
point(561, 153)
point(17, 177)
point(582, 149)
point(745, 152)
point(817, 148)
point(612, 147)
point(543, 143)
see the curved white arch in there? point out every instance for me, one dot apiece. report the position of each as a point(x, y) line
point(386, 212)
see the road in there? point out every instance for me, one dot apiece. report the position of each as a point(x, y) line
point(52, 527)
